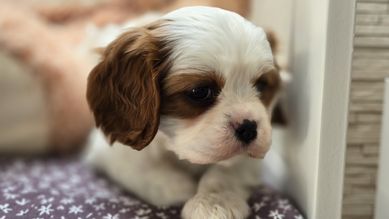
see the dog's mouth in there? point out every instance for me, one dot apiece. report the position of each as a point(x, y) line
point(212, 157)
point(256, 151)
point(221, 149)
point(256, 156)
point(253, 150)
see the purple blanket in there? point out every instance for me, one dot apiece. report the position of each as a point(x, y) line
point(65, 188)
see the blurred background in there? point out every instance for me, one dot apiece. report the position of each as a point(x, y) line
point(45, 57)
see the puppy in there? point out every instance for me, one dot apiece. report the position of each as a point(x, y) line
point(194, 90)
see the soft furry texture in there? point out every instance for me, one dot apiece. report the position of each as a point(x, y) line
point(129, 86)
point(210, 125)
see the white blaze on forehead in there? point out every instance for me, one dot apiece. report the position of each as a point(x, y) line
point(204, 40)
point(218, 40)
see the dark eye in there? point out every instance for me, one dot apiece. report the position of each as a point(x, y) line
point(262, 85)
point(203, 94)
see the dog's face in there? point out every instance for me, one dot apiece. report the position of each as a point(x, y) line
point(204, 76)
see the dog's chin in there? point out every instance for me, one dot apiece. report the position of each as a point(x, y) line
point(256, 156)
point(212, 157)
point(208, 157)
point(257, 152)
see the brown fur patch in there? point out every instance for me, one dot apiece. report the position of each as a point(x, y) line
point(123, 89)
point(273, 41)
point(278, 116)
point(273, 81)
point(175, 100)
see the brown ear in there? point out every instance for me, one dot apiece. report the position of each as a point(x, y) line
point(278, 113)
point(123, 89)
point(278, 116)
point(273, 41)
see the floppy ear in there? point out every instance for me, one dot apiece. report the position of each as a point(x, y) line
point(273, 41)
point(123, 89)
point(278, 115)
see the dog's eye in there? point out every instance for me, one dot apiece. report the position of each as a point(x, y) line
point(262, 85)
point(202, 94)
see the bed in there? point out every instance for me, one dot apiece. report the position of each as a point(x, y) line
point(66, 188)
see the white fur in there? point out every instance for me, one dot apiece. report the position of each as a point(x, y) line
point(203, 39)
point(219, 40)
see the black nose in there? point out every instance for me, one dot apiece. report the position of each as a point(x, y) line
point(247, 131)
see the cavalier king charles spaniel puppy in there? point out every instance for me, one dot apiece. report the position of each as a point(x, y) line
point(193, 93)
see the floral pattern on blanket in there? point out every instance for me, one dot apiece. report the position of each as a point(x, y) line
point(66, 188)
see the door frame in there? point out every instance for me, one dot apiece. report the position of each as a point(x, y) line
point(337, 78)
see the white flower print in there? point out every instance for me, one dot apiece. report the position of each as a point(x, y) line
point(258, 206)
point(54, 192)
point(276, 215)
point(129, 202)
point(5, 208)
point(47, 200)
point(90, 200)
point(99, 207)
point(8, 196)
point(22, 201)
point(66, 201)
point(141, 211)
point(284, 204)
point(124, 210)
point(110, 216)
point(161, 215)
point(22, 212)
point(45, 209)
point(141, 217)
point(75, 209)
point(28, 189)
point(9, 189)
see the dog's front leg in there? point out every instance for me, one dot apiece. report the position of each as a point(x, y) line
point(223, 193)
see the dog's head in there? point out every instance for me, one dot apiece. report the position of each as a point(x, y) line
point(205, 77)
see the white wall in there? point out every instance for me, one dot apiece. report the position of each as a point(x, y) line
point(293, 160)
point(305, 95)
point(308, 159)
point(275, 16)
point(337, 77)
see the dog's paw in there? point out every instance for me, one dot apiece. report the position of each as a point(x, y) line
point(215, 206)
